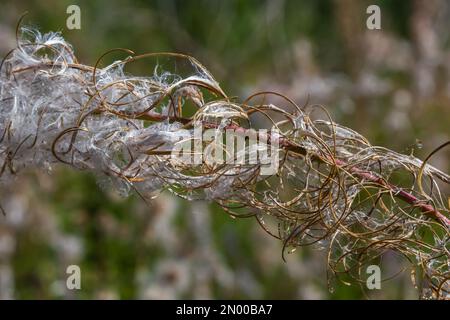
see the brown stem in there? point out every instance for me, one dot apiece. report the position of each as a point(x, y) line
point(398, 192)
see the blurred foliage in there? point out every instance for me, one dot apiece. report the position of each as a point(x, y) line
point(171, 248)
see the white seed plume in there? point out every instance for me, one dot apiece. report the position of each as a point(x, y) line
point(332, 188)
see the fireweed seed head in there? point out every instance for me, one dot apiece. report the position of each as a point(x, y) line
point(307, 181)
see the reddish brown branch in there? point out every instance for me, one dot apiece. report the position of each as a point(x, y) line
point(400, 193)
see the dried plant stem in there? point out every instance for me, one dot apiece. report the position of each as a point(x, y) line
point(398, 192)
point(332, 188)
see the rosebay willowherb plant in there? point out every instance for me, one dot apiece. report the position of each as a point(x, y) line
point(332, 188)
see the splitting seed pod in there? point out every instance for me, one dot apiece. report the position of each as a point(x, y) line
point(331, 188)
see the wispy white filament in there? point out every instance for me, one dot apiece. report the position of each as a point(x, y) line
point(332, 189)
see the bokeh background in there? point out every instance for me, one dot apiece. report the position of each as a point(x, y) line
point(392, 85)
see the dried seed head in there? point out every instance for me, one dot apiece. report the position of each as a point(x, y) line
point(331, 189)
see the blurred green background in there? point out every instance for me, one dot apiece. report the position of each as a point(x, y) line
point(392, 85)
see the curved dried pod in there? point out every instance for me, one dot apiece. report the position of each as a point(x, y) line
point(329, 187)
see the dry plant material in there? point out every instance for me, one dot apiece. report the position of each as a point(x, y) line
point(333, 189)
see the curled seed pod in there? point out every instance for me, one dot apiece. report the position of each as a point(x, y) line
point(306, 181)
